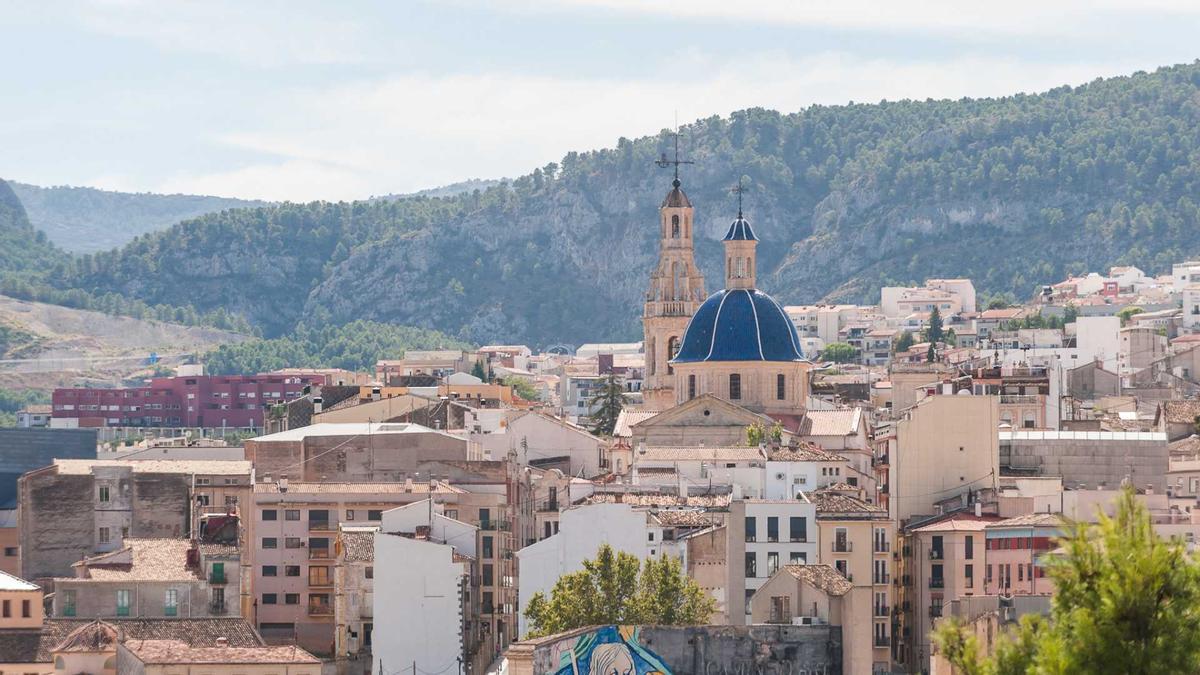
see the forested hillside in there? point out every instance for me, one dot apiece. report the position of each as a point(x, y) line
point(1011, 192)
point(84, 220)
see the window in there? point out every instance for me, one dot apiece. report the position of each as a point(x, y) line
point(171, 602)
point(797, 558)
point(798, 526)
point(270, 571)
point(291, 598)
point(969, 573)
point(68, 606)
point(772, 528)
point(772, 563)
point(202, 499)
point(751, 528)
point(841, 540)
point(318, 517)
point(969, 549)
point(7, 612)
point(843, 568)
point(123, 602)
point(10, 551)
point(319, 576)
point(488, 605)
point(375, 514)
point(103, 493)
point(291, 514)
point(487, 547)
point(349, 514)
point(780, 386)
point(735, 387)
point(291, 570)
point(650, 536)
point(291, 542)
point(270, 599)
point(488, 575)
point(675, 227)
point(370, 573)
point(26, 609)
point(270, 542)
point(691, 387)
point(751, 565)
point(105, 535)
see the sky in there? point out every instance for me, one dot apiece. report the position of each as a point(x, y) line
point(299, 100)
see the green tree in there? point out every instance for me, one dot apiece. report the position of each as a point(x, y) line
point(1129, 312)
point(521, 387)
point(839, 352)
point(931, 353)
point(1070, 314)
point(615, 588)
point(933, 330)
point(1126, 601)
point(606, 406)
point(758, 433)
point(478, 371)
point(904, 342)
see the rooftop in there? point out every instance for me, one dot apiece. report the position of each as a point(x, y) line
point(359, 545)
point(959, 522)
point(805, 452)
point(628, 418)
point(236, 630)
point(660, 500)
point(1030, 520)
point(347, 429)
point(142, 560)
point(217, 467)
point(821, 577)
point(9, 582)
point(1052, 435)
point(830, 502)
point(179, 652)
point(1181, 412)
point(415, 487)
point(699, 454)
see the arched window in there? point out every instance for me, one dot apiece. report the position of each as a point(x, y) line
point(780, 386)
point(735, 387)
point(672, 348)
point(650, 360)
point(691, 387)
point(675, 226)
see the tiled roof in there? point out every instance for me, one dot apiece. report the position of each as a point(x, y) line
point(699, 454)
point(672, 518)
point(418, 487)
point(805, 452)
point(178, 652)
point(821, 577)
point(208, 467)
point(195, 632)
point(962, 522)
point(661, 500)
point(834, 502)
point(218, 550)
point(628, 418)
point(142, 560)
point(96, 636)
point(22, 645)
point(1030, 520)
point(1181, 412)
point(359, 545)
point(842, 422)
point(740, 325)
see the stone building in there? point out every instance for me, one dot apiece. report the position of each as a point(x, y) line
point(152, 578)
point(76, 508)
point(354, 588)
point(675, 293)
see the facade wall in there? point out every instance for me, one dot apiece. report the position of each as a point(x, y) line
point(373, 457)
point(707, 565)
point(57, 522)
point(98, 599)
point(419, 605)
point(754, 545)
point(1090, 458)
point(24, 610)
point(758, 389)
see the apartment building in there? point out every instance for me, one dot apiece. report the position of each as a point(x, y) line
point(1015, 547)
point(762, 535)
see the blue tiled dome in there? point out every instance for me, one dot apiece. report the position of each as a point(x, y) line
point(740, 231)
point(739, 325)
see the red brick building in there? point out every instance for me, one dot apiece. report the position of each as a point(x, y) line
point(213, 401)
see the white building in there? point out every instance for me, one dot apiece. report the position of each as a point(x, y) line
point(762, 535)
point(419, 593)
point(738, 466)
point(582, 530)
point(792, 471)
point(546, 441)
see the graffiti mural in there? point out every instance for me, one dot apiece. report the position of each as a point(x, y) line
point(611, 650)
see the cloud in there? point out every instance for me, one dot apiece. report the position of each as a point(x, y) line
point(411, 132)
point(965, 19)
point(264, 34)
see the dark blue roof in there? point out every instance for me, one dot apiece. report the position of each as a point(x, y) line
point(740, 231)
point(739, 325)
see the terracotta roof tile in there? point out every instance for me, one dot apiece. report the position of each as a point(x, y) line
point(821, 577)
point(181, 653)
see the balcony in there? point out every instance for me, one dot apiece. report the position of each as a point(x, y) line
point(935, 611)
point(217, 577)
point(937, 582)
point(320, 609)
point(320, 553)
point(217, 608)
point(883, 579)
point(322, 525)
point(495, 525)
point(320, 580)
point(843, 546)
point(882, 546)
point(881, 611)
point(1019, 399)
point(881, 460)
point(935, 554)
point(883, 641)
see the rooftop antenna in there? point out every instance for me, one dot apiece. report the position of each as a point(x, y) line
point(739, 189)
point(663, 162)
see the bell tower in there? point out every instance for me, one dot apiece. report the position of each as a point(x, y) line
point(676, 291)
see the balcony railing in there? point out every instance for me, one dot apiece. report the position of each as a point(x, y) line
point(883, 641)
point(320, 609)
point(320, 580)
point(843, 546)
point(322, 525)
point(882, 546)
point(495, 525)
point(1023, 399)
point(320, 553)
point(881, 610)
point(935, 554)
point(217, 608)
point(882, 579)
point(935, 611)
point(69, 610)
point(937, 582)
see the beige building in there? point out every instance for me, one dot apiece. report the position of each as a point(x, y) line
point(945, 446)
point(169, 657)
point(707, 565)
point(20, 603)
point(153, 578)
point(676, 291)
point(354, 600)
point(947, 562)
point(856, 539)
point(814, 595)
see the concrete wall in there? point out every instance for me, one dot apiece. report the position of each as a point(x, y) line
point(690, 650)
point(23, 450)
point(57, 522)
point(418, 604)
point(1089, 458)
point(378, 457)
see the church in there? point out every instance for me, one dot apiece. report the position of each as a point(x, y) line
point(737, 345)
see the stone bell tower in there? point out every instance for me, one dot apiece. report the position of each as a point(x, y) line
point(676, 290)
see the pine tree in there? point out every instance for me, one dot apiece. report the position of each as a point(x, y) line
point(606, 406)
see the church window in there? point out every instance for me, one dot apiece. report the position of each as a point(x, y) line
point(675, 226)
point(780, 386)
point(672, 348)
point(735, 387)
point(691, 387)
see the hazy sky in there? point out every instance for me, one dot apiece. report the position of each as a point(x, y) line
point(340, 100)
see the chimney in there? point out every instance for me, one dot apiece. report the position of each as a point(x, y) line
point(375, 393)
point(318, 403)
point(408, 485)
point(222, 641)
point(283, 483)
point(978, 509)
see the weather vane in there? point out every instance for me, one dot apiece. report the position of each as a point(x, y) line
point(738, 190)
point(663, 162)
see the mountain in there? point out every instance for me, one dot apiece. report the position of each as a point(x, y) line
point(84, 220)
point(1010, 191)
point(23, 249)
